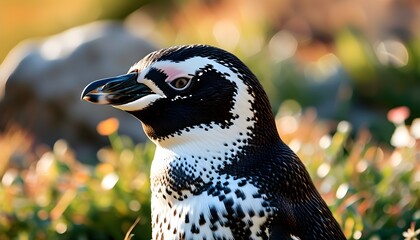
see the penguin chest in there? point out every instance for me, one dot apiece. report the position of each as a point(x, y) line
point(227, 209)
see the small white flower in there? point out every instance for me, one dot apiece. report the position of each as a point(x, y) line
point(411, 233)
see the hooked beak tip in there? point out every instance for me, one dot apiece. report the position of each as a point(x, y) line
point(95, 97)
point(92, 89)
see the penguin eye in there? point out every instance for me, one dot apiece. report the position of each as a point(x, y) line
point(180, 83)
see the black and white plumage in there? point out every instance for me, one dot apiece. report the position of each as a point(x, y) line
point(220, 169)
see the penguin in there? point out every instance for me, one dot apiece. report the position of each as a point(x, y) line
point(220, 169)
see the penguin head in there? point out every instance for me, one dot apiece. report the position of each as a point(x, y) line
point(187, 92)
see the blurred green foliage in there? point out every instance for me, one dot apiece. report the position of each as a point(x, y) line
point(359, 85)
point(57, 197)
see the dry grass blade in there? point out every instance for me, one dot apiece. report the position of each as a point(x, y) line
point(128, 235)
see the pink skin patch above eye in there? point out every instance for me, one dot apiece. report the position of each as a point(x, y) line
point(173, 73)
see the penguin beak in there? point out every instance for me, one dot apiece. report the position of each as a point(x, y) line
point(116, 90)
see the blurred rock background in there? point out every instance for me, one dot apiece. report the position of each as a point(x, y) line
point(322, 62)
point(42, 81)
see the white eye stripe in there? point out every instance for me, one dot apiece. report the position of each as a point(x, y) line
point(189, 68)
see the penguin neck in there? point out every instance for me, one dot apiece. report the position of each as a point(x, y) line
point(202, 155)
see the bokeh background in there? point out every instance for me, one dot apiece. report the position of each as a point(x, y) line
point(343, 78)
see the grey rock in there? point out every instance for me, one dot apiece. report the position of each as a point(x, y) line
point(41, 82)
